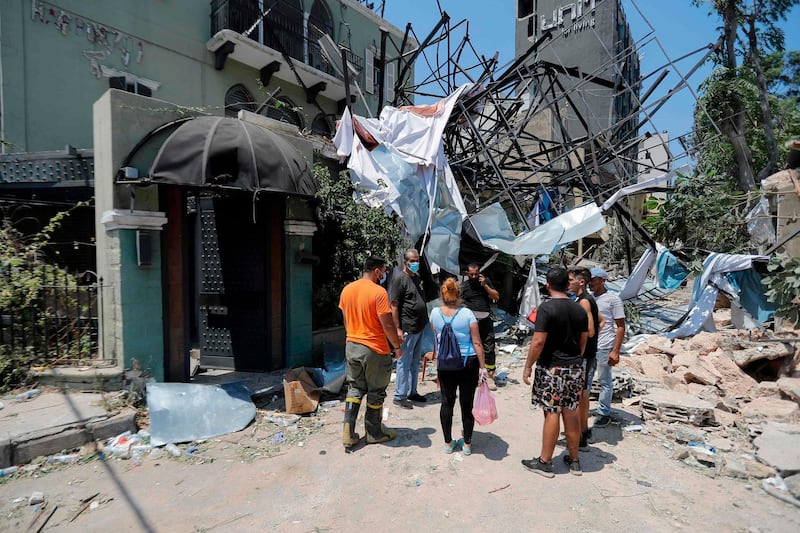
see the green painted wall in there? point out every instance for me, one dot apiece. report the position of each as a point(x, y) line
point(298, 299)
point(140, 306)
point(51, 77)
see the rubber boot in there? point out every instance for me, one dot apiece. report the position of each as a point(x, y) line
point(349, 436)
point(376, 432)
point(490, 380)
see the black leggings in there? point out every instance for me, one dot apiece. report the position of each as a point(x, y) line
point(464, 382)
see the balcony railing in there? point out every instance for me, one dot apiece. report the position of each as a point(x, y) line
point(281, 30)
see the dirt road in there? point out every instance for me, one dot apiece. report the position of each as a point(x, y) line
point(269, 478)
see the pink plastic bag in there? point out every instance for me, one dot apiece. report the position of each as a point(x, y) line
point(485, 409)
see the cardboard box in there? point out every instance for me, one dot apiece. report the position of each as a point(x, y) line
point(300, 391)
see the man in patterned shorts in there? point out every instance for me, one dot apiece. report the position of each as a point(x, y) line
point(559, 339)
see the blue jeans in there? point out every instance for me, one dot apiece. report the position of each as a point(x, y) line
point(606, 385)
point(408, 366)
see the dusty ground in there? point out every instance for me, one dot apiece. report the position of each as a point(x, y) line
point(307, 483)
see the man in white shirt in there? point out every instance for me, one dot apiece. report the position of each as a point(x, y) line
point(609, 341)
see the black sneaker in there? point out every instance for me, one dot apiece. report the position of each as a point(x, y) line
point(405, 403)
point(602, 422)
point(539, 466)
point(574, 465)
point(419, 398)
point(585, 436)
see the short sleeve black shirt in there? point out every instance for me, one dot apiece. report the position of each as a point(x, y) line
point(591, 343)
point(407, 292)
point(563, 320)
point(474, 296)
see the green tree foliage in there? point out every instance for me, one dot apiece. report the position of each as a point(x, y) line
point(746, 97)
point(783, 287)
point(349, 232)
point(705, 213)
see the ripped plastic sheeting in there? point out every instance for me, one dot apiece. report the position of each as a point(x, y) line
point(184, 412)
point(670, 272)
point(639, 275)
point(495, 230)
point(665, 181)
point(408, 173)
point(706, 287)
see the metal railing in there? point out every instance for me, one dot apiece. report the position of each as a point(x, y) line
point(282, 30)
point(60, 323)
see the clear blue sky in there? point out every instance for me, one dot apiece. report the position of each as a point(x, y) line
point(678, 26)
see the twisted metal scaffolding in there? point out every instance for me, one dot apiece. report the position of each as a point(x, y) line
point(526, 135)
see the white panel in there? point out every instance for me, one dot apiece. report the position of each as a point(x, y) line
point(369, 71)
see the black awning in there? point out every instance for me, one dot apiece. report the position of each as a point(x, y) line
point(211, 152)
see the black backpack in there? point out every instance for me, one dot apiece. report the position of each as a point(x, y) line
point(449, 353)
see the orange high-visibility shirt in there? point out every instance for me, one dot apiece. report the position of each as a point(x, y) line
point(362, 302)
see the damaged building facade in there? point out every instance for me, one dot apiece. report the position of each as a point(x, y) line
point(212, 250)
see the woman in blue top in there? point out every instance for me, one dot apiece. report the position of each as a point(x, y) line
point(462, 381)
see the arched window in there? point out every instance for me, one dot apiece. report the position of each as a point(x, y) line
point(321, 126)
point(284, 110)
point(238, 97)
point(319, 23)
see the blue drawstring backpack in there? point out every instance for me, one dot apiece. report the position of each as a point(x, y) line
point(449, 353)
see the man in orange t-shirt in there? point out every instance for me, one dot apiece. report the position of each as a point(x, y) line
point(368, 322)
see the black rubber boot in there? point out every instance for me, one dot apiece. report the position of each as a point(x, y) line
point(349, 436)
point(376, 433)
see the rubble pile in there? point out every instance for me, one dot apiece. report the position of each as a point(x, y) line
point(727, 403)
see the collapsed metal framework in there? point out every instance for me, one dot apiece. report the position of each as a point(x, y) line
point(507, 141)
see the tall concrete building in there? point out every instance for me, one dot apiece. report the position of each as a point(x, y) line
point(595, 71)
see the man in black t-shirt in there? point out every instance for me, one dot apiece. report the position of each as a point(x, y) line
point(559, 340)
point(578, 280)
point(477, 294)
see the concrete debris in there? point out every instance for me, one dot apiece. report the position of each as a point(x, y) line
point(744, 468)
point(734, 382)
point(697, 374)
point(790, 387)
point(771, 351)
point(793, 485)
point(675, 406)
point(777, 446)
point(766, 389)
point(686, 358)
point(685, 434)
point(771, 409)
point(655, 365)
point(622, 383)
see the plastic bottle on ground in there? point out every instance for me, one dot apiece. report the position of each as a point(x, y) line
point(27, 395)
point(64, 459)
point(8, 471)
point(173, 450)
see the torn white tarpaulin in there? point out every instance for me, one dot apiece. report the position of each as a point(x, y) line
point(639, 275)
point(495, 230)
point(398, 162)
point(664, 181)
point(704, 293)
point(530, 298)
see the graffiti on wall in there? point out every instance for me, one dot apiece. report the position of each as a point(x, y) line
point(109, 42)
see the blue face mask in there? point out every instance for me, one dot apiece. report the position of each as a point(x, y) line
point(383, 278)
point(413, 266)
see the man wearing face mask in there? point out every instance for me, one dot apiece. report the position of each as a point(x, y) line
point(477, 293)
point(410, 316)
point(368, 322)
